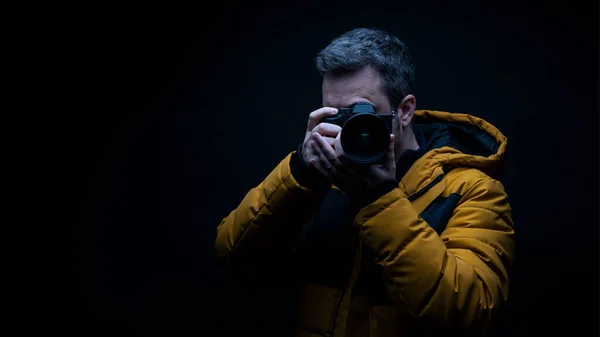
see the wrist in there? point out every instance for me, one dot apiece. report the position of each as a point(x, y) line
point(304, 175)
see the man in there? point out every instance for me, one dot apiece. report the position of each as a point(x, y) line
point(418, 242)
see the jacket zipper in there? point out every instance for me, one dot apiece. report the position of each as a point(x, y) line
point(426, 188)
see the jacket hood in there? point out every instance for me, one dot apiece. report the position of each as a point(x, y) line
point(474, 141)
point(453, 140)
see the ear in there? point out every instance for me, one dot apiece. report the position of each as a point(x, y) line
point(406, 110)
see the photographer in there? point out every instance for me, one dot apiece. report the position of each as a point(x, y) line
point(387, 219)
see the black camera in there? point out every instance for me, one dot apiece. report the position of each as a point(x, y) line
point(365, 136)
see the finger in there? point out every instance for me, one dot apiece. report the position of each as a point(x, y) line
point(320, 162)
point(316, 116)
point(345, 160)
point(339, 150)
point(309, 139)
point(326, 151)
point(330, 141)
point(312, 158)
point(314, 163)
point(324, 165)
point(327, 129)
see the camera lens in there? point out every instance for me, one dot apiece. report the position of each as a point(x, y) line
point(365, 138)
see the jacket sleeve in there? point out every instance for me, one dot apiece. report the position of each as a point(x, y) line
point(258, 234)
point(456, 279)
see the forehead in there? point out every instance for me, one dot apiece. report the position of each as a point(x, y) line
point(343, 90)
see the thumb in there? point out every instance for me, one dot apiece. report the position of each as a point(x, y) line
point(337, 144)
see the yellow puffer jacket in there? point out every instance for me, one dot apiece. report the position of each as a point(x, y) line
point(432, 254)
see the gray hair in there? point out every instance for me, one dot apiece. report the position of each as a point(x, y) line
point(363, 47)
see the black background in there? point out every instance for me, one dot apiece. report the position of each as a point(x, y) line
point(182, 109)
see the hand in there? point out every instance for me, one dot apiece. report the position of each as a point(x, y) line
point(326, 130)
point(352, 178)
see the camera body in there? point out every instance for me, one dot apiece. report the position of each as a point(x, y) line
point(365, 136)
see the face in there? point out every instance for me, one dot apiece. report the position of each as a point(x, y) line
point(364, 85)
